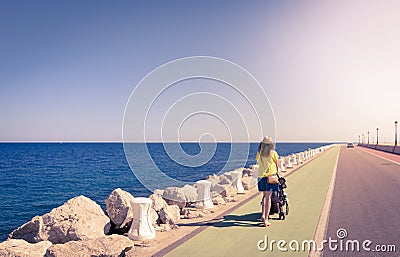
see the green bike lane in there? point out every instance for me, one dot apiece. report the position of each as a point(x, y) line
point(238, 233)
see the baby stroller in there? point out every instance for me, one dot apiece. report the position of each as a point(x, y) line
point(279, 200)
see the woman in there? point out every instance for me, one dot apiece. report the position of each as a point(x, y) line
point(267, 159)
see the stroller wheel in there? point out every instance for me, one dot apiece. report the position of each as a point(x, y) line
point(282, 216)
point(287, 208)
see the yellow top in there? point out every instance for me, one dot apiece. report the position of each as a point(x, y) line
point(267, 165)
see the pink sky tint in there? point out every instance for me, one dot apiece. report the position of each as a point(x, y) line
point(331, 69)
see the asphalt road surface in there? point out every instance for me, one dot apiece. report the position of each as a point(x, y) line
point(365, 205)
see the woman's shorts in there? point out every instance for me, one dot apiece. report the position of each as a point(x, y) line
point(263, 185)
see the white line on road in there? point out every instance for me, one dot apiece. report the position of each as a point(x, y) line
point(322, 225)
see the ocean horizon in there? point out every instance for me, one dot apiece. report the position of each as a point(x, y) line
point(36, 177)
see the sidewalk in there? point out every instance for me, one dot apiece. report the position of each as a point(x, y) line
point(238, 233)
point(389, 148)
point(389, 156)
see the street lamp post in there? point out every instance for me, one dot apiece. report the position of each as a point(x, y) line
point(377, 141)
point(395, 133)
point(359, 139)
point(368, 137)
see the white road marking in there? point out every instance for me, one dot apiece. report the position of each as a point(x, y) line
point(322, 225)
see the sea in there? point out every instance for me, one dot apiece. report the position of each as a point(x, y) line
point(37, 177)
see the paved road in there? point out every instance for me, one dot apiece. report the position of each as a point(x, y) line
point(365, 202)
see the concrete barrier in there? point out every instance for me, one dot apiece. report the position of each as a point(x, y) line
point(141, 228)
point(305, 155)
point(294, 159)
point(203, 195)
point(300, 159)
point(288, 162)
point(281, 164)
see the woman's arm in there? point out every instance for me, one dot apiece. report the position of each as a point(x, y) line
point(276, 162)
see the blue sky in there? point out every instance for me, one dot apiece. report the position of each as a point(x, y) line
point(67, 68)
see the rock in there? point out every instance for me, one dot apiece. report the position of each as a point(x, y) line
point(246, 182)
point(119, 209)
point(191, 214)
point(180, 196)
point(196, 213)
point(21, 248)
point(154, 217)
point(207, 212)
point(158, 202)
point(216, 188)
point(159, 192)
point(110, 246)
point(173, 196)
point(218, 200)
point(214, 179)
point(170, 214)
point(229, 199)
point(224, 190)
point(225, 180)
point(213, 194)
point(190, 193)
point(185, 213)
point(253, 181)
point(229, 192)
point(78, 219)
point(248, 172)
point(227, 175)
point(163, 228)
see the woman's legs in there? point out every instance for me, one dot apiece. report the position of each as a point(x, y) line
point(263, 204)
point(266, 206)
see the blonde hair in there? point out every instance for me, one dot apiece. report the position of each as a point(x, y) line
point(265, 149)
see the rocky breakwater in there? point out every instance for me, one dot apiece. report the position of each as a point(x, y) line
point(78, 219)
point(80, 227)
